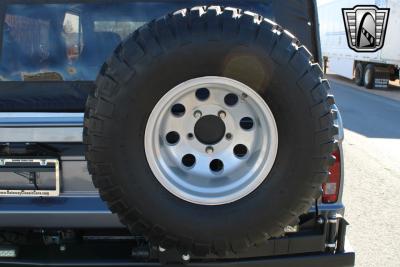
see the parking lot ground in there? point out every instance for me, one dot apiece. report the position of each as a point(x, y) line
point(372, 170)
point(392, 92)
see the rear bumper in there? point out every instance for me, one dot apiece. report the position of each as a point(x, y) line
point(117, 248)
point(318, 260)
point(324, 259)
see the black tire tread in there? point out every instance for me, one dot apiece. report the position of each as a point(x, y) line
point(371, 81)
point(359, 78)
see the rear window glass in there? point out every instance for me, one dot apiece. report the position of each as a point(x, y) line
point(53, 42)
point(70, 42)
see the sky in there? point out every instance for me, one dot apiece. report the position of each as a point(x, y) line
point(321, 2)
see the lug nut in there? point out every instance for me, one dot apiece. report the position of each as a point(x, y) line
point(186, 257)
point(209, 150)
point(228, 136)
point(197, 114)
point(222, 114)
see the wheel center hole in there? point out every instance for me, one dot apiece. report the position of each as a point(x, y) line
point(209, 129)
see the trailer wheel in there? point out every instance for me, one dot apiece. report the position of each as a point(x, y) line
point(358, 74)
point(369, 76)
point(210, 130)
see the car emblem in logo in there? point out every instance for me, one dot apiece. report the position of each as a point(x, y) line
point(365, 27)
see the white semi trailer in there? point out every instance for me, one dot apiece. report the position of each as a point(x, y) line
point(367, 69)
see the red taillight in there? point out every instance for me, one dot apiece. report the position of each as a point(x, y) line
point(331, 188)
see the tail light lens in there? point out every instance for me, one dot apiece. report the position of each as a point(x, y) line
point(331, 188)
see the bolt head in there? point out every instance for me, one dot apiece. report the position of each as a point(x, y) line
point(209, 150)
point(186, 257)
point(197, 114)
point(222, 114)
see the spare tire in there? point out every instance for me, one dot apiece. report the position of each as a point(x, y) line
point(210, 130)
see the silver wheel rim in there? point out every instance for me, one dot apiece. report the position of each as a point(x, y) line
point(186, 152)
point(366, 76)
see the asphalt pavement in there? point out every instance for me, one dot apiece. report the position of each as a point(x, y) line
point(372, 173)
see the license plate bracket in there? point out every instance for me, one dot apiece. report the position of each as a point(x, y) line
point(31, 166)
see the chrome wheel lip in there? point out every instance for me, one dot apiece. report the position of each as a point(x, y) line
point(176, 183)
point(367, 76)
